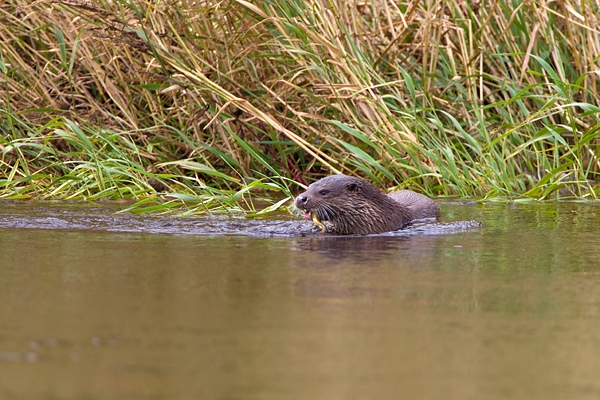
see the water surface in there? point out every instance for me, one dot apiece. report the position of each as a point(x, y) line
point(98, 305)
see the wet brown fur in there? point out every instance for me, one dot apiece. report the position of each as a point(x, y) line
point(354, 206)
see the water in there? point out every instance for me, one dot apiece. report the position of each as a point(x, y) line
point(97, 305)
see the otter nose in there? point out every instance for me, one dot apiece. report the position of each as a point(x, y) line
point(302, 199)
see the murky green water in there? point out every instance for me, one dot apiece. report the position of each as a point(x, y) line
point(119, 307)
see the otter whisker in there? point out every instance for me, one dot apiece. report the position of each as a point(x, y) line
point(321, 214)
point(328, 212)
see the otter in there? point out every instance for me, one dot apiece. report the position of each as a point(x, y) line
point(354, 206)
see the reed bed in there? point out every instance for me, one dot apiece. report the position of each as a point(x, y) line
point(207, 106)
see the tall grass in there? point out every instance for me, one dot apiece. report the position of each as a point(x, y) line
point(212, 104)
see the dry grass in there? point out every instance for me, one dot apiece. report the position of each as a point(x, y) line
point(448, 97)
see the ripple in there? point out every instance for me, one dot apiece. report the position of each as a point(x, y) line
point(70, 217)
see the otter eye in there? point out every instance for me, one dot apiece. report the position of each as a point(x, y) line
point(323, 192)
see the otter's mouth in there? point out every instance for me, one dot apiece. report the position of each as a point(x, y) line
point(310, 215)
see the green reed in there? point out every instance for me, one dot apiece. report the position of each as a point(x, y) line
point(208, 107)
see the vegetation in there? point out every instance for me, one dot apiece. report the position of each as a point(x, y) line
point(213, 104)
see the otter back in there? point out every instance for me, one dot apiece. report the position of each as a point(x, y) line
point(420, 205)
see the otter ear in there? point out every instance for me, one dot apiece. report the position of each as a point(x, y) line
point(352, 187)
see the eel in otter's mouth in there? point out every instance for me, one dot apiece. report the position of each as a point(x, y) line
point(311, 215)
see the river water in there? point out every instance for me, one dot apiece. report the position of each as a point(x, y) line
point(98, 305)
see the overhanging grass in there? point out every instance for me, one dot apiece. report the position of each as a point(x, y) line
point(204, 106)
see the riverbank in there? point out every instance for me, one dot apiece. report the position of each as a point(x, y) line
point(204, 106)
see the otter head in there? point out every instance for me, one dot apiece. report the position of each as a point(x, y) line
point(351, 206)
